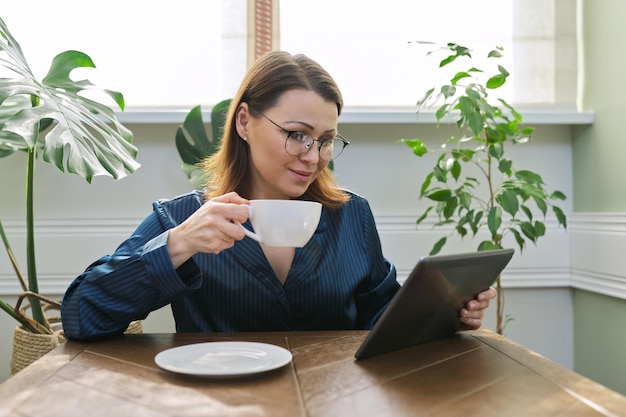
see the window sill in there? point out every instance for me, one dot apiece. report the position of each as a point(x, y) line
point(370, 115)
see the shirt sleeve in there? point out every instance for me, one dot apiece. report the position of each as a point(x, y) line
point(377, 290)
point(136, 279)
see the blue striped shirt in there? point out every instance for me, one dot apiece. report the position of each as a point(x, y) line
point(339, 280)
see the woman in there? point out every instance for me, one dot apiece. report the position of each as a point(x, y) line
point(190, 252)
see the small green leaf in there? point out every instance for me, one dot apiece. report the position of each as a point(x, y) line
point(528, 177)
point(505, 165)
point(496, 150)
point(474, 96)
point(540, 229)
point(459, 50)
point(465, 200)
point(494, 219)
point(495, 82)
point(437, 246)
point(541, 204)
point(476, 122)
point(528, 230)
point(426, 184)
point(486, 245)
point(451, 205)
point(440, 195)
point(557, 195)
point(519, 239)
point(456, 170)
point(443, 223)
point(533, 191)
point(459, 76)
point(447, 60)
point(560, 216)
point(448, 163)
point(529, 213)
point(442, 111)
point(424, 215)
point(465, 155)
point(425, 98)
point(418, 147)
point(476, 221)
point(508, 200)
point(465, 105)
point(440, 173)
point(448, 91)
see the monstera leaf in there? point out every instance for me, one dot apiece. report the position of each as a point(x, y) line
point(194, 144)
point(84, 138)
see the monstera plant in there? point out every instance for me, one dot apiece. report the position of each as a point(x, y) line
point(474, 184)
point(54, 120)
point(193, 143)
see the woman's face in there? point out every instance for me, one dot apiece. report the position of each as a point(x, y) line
point(275, 174)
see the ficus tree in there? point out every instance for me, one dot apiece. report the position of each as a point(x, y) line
point(474, 184)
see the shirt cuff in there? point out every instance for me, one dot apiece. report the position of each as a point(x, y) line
point(161, 271)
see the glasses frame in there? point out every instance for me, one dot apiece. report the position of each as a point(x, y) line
point(345, 142)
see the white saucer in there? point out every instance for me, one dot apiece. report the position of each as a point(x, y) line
point(223, 359)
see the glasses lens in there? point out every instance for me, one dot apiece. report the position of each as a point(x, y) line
point(332, 149)
point(328, 149)
point(298, 143)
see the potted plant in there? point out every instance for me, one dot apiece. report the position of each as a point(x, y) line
point(493, 195)
point(193, 143)
point(55, 120)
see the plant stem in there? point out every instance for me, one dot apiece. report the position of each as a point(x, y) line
point(489, 163)
point(22, 320)
point(16, 267)
point(499, 306)
point(496, 241)
point(30, 238)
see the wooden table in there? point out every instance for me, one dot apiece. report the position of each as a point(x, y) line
point(473, 373)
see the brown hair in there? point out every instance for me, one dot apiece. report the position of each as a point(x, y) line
point(269, 77)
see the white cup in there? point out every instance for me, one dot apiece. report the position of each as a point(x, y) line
point(288, 223)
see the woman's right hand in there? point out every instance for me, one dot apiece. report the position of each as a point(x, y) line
point(212, 228)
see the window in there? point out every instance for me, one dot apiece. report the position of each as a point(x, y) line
point(368, 52)
point(156, 52)
point(365, 45)
point(178, 54)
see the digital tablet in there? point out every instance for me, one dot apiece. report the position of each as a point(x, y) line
point(427, 305)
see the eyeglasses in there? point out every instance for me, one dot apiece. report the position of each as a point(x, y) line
point(299, 143)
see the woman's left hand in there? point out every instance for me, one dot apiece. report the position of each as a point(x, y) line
point(472, 315)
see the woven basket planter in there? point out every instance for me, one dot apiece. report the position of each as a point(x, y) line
point(28, 346)
point(134, 327)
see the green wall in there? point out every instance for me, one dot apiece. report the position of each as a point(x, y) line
point(599, 156)
point(600, 338)
point(599, 151)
